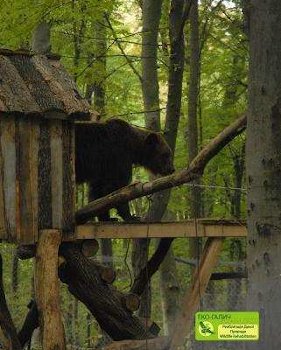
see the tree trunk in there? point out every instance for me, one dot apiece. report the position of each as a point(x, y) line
point(151, 14)
point(176, 65)
point(176, 21)
point(192, 131)
point(95, 93)
point(263, 160)
point(100, 52)
point(139, 263)
point(169, 286)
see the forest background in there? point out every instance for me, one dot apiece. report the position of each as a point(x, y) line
point(166, 65)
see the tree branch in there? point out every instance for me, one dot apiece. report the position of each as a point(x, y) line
point(151, 267)
point(121, 48)
point(189, 174)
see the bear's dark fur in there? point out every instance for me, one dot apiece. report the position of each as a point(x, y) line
point(106, 153)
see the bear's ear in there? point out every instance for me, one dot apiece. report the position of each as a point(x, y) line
point(152, 139)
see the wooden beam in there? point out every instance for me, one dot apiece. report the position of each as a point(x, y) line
point(56, 172)
point(191, 299)
point(27, 176)
point(47, 290)
point(189, 228)
point(8, 152)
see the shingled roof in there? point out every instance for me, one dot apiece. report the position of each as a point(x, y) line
point(36, 84)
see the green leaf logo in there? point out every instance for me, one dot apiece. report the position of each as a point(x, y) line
point(206, 328)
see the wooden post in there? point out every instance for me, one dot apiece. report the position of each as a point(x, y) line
point(47, 290)
point(191, 299)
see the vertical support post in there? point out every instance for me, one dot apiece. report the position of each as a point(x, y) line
point(191, 299)
point(47, 290)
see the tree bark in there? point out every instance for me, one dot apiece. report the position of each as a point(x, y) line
point(263, 160)
point(192, 129)
point(151, 14)
point(47, 298)
point(176, 66)
point(98, 86)
point(84, 282)
point(170, 289)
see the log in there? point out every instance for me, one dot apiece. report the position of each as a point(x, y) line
point(89, 247)
point(159, 343)
point(107, 274)
point(56, 172)
point(47, 290)
point(84, 282)
point(130, 301)
point(27, 175)
point(195, 170)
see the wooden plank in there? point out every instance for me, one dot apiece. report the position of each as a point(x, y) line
point(27, 158)
point(47, 299)
point(69, 190)
point(159, 230)
point(191, 300)
point(44, 181)
point(8, 148)
point(56, 172)
point(3, 222)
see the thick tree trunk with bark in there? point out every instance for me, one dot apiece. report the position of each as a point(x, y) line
point(170, 292)
point(263, 160)
point(192, 129)
point(176, 66)
point(160, 200)
point(151, 13)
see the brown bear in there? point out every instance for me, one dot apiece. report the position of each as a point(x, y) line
point(107, 151)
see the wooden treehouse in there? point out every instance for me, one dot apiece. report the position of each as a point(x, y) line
point(39, 104)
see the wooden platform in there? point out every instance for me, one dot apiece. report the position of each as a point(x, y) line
point(190, 228)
